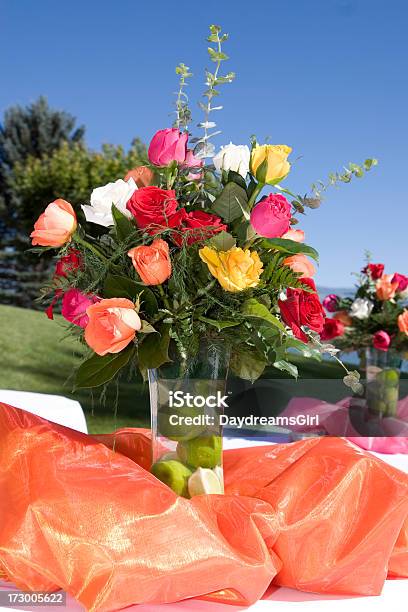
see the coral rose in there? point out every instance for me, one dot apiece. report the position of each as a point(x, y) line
point(142, 175)
point(270, 218)
point(55, 226)
point(344, 317)
point(269, 163)
point(167, 146)
point(235, 269)
point(152, 263)
point(381, 341)
point(295, 235)
point(152, 207)
point(332, 329)
point(403, 322)
point(302, 308)
point(386, 288)
point(300, 264)
point(194, 226)
point(112, 325)
point(74, 305)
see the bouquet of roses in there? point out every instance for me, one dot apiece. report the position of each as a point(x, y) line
point(186, 247)
point(377, 315)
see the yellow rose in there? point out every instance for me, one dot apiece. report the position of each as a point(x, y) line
point(276, 165)
point(234, 269)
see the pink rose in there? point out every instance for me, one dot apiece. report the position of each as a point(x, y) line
point(74, 305)
point(168, 145)
point(381, 341)
point(401, 280)
point(301, 264)
point(330, 302)
point(271, 216)
point(195, 164)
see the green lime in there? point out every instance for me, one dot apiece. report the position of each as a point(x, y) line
point(204, 451)
point(390, 394)
point(174, 474)
point(377, 405)
point(388, 377)
point(171, 423)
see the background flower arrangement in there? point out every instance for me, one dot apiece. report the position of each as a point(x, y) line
point(181, 249)
point(376, 316)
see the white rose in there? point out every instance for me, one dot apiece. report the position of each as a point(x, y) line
point(102, 198)
point(233, 157)
point(361, 308)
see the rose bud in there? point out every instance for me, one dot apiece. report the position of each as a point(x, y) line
point(270, 218)
point(167, 146)
point(55, 226)
point(152, 263)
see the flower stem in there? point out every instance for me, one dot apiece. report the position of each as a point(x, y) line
point(90, 247)
point(164, 297)
point(255, 194)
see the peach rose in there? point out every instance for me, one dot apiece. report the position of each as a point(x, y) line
point(403, 322)
point(142, 175)
point(385, 288)
point(300, 263)
point(112, 325)
point(295, 235)
point(343, 317)
point(152, 263)
point(55, 226)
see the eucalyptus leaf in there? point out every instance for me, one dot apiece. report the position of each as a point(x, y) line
point(286, 366)
point(98, 370)
point(220, 325)
point(246, 364)
point(222, 241)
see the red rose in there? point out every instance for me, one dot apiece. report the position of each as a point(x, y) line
point(152, 206)
point(69, 263)
point(374, 270)
point(401, 280)
point(302, 308)
point(332, 328)
point(194, 226)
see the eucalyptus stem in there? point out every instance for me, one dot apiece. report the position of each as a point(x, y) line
point(90, 247)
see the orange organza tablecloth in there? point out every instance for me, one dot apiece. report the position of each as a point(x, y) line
point(318, 515)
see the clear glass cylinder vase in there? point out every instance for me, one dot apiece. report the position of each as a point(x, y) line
point(187, 401)
point(383, 376)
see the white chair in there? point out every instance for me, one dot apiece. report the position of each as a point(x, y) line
point(55, 408)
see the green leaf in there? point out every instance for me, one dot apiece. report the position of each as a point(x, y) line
point(123, 226)
point(305, 349)
point(222, 241)
point(289, 246)
point(98, 370)
point(154, 349)
point(122, 286)
point(246, 364)
point(231, 203)
point(147, 328)
point(286, 366)
point(220, 325)
point(235, 177)
point(254, 309)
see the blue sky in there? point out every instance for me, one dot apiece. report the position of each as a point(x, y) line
point(327, 77)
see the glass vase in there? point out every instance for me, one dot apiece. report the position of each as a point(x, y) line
point(383, 375)
point(187, 401)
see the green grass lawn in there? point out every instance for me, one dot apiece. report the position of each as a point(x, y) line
point(37, 355)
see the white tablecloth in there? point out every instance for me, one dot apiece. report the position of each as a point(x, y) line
point(277, 599)
point(55, 408)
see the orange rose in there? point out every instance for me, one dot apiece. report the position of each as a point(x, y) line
point(55, 226)
point(142, 175)
point(112, 325)
point(296, 235)
point(343, 317)
point(301, 264)
point(385, 288)
point(152, 263)
point(403, 322)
